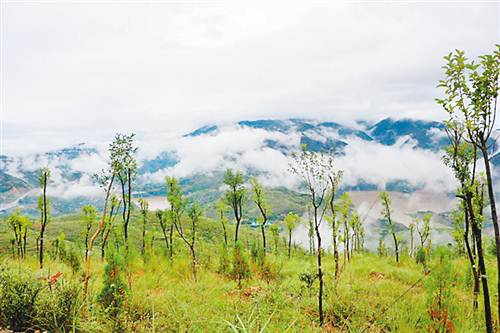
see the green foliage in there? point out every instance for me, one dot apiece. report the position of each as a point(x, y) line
point(240, 269)
point(274, 229)
point(381, 248)
point(69, 255)
point(114, 291)
point(18, 295)
point(175, 199)
point(224, 263)
point(19, 225)
point(439, 293)
point(235, 196)
point(291, 221)
point(58, 308)
point(421, 256)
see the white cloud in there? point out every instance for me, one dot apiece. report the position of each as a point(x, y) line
point(234, 147)
point(81, 72)
point(379, 164)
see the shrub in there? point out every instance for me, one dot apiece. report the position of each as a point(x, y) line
point(269, 271)
point(18, 295)
point(223, 261)
point(241, 269)
point(114, 290)
point(68, 255)
point(382, 249)
point(439, 295)
point(308, 278)
point(57, 309)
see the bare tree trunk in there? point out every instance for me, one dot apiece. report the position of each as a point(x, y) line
point(103, 245)
point(44, 219)
point(171, 241)
point(93, 238)
point(472, 261)
point(494, 217)
point(237, 215)
point(225, 231)
point(289, 243)
point(263, 238)
point(143, 248)
point(482, 267)
point(165, 237)
point(320, 268)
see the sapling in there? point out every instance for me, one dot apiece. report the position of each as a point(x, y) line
point(89, 218)
point(234, 196)
point(144, 208)
point(471, 92)
point(313, 170)
point(43, 207)
point(263, 206)
point(291, 221)
point(386, 213)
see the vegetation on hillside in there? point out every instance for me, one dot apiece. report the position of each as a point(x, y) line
point(180, 270)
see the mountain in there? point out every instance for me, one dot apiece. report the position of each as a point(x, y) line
point(260, 147)
point(427, 134)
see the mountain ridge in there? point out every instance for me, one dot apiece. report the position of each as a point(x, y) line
point(279, 138)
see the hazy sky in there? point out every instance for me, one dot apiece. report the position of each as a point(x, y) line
point(80, 72)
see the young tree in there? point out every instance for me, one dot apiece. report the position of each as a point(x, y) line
point(386, 213)
point(161, 216)
point(144, 207)
point(334, 180)
point(344, 211)
point(461, 157)
point(471, 93)
point(20, 225)
point(313, 169)
point(411, 228)
point(126, 168)
point(355, 225)
point(264, 208)
point(106, 180)
point(274, 229)
point(43, 207)
point(189, 237)
point(424, 228)
point(291, 221)
point(108, 226)
point(310, 232)
point(234, 196)
point(89, 217)
point(220, 211)
point(177, 206)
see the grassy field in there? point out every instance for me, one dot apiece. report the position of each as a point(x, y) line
point(373, 293)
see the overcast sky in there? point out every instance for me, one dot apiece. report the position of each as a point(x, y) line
point(80, 72)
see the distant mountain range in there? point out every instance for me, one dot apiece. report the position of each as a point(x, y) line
point(257, 146)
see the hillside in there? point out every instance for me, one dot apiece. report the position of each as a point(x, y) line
point(200, 157)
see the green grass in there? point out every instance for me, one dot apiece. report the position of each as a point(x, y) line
point(373, 294)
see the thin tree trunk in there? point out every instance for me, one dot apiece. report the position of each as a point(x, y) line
point(471, 261)
point(44, 220)
point(171, 241)
point(129, 199)
point(143, 249)
point(99, 227)
point(494, 217)
point(103, 245)
point(289, 244)
point(165, 237)
point(223, 227)
point(237, 215)
point(482, 267)
point(263, 237)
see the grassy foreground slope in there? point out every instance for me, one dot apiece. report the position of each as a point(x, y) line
point(373, 294)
